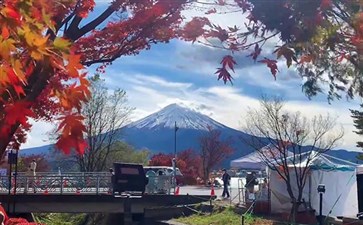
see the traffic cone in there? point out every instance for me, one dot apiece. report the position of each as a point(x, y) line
point(46, 191)
point(176, 190)
point(212, 193)
point(78, 192)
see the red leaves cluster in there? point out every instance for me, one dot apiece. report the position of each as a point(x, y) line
point(195, 29)
point(13, 221)
point(188, 162)
point(272, 64)
point(223, 73)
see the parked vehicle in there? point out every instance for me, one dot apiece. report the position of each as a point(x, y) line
point(164, 170)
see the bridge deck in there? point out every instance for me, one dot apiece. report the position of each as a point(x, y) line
point(93, 203)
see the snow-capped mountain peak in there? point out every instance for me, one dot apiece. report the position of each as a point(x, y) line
point(183, 116)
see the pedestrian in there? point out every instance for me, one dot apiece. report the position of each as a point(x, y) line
point(29, 179)
point(226, 179)
point(33, 166)
point(251, 181)
point(113, 181)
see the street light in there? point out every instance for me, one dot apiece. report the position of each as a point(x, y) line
point(174, 159)
point(12, 159)
point(321, 191)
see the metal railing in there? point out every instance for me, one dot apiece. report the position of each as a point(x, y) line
point(91, 183)
point(54, 183)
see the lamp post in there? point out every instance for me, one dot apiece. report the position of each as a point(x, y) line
point(174, 159)
point(12, 159)
point(321, 191)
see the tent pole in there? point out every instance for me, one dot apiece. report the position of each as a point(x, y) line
point(310, 191)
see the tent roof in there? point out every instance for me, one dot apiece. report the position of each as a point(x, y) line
point(250, 161)
point(321, 161)
point(253, 160)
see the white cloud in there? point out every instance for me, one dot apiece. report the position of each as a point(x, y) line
point(39, 134)
point(225, 104)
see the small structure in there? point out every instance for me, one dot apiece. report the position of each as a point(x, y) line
point(339, 177)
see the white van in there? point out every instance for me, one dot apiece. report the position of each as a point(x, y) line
point(164, 170)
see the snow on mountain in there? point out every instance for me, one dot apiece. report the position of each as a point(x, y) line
point(183, 116)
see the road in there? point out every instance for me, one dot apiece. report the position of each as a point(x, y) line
point(202, 190)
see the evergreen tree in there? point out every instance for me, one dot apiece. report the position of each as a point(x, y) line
point(358, 123)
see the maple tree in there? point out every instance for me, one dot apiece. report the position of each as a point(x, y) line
point(213, 150)
point(323, 39)
point(45, 48)
point(188, 162)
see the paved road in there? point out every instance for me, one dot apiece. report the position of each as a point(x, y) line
point(201, 190)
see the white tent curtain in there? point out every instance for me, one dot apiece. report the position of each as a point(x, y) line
point(339, 177)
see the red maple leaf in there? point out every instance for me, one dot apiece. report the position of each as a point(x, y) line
point(224, 75)
point(228, 61)
point(272, 64)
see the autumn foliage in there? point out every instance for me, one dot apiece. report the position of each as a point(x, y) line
point(214, 148)
point(188, 162)
point(323, 39)
point(45, 47)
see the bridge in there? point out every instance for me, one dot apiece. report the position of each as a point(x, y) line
point(85, 193)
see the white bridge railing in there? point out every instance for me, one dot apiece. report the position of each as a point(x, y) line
point(91, 183)
point(67, 183)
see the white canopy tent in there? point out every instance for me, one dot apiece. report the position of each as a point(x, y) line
point(253, 161)
point(338, 176)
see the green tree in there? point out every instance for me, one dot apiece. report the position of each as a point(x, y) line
point(122, 152)
point(358, 123)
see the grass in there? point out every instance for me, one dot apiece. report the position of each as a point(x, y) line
point(60, 218)
point(225, 217)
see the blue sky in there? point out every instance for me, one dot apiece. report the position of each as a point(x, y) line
point(180, 72)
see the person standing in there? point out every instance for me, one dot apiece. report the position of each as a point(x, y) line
point(33, 166)
point(225, 178)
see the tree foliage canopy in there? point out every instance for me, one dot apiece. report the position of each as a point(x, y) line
point(323, 39)
point(45, 46)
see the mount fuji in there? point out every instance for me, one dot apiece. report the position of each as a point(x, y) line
point(156, 133)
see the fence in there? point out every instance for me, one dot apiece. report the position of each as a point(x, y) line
point(98, 183)
point(74, 183)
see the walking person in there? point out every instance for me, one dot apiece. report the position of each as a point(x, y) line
point(112, 181)
point(226, 179)
point(33, 167)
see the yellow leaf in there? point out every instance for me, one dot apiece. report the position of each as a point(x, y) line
point(18, 68)
point(3, 76)
point(6, 47)
point(61, 43)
